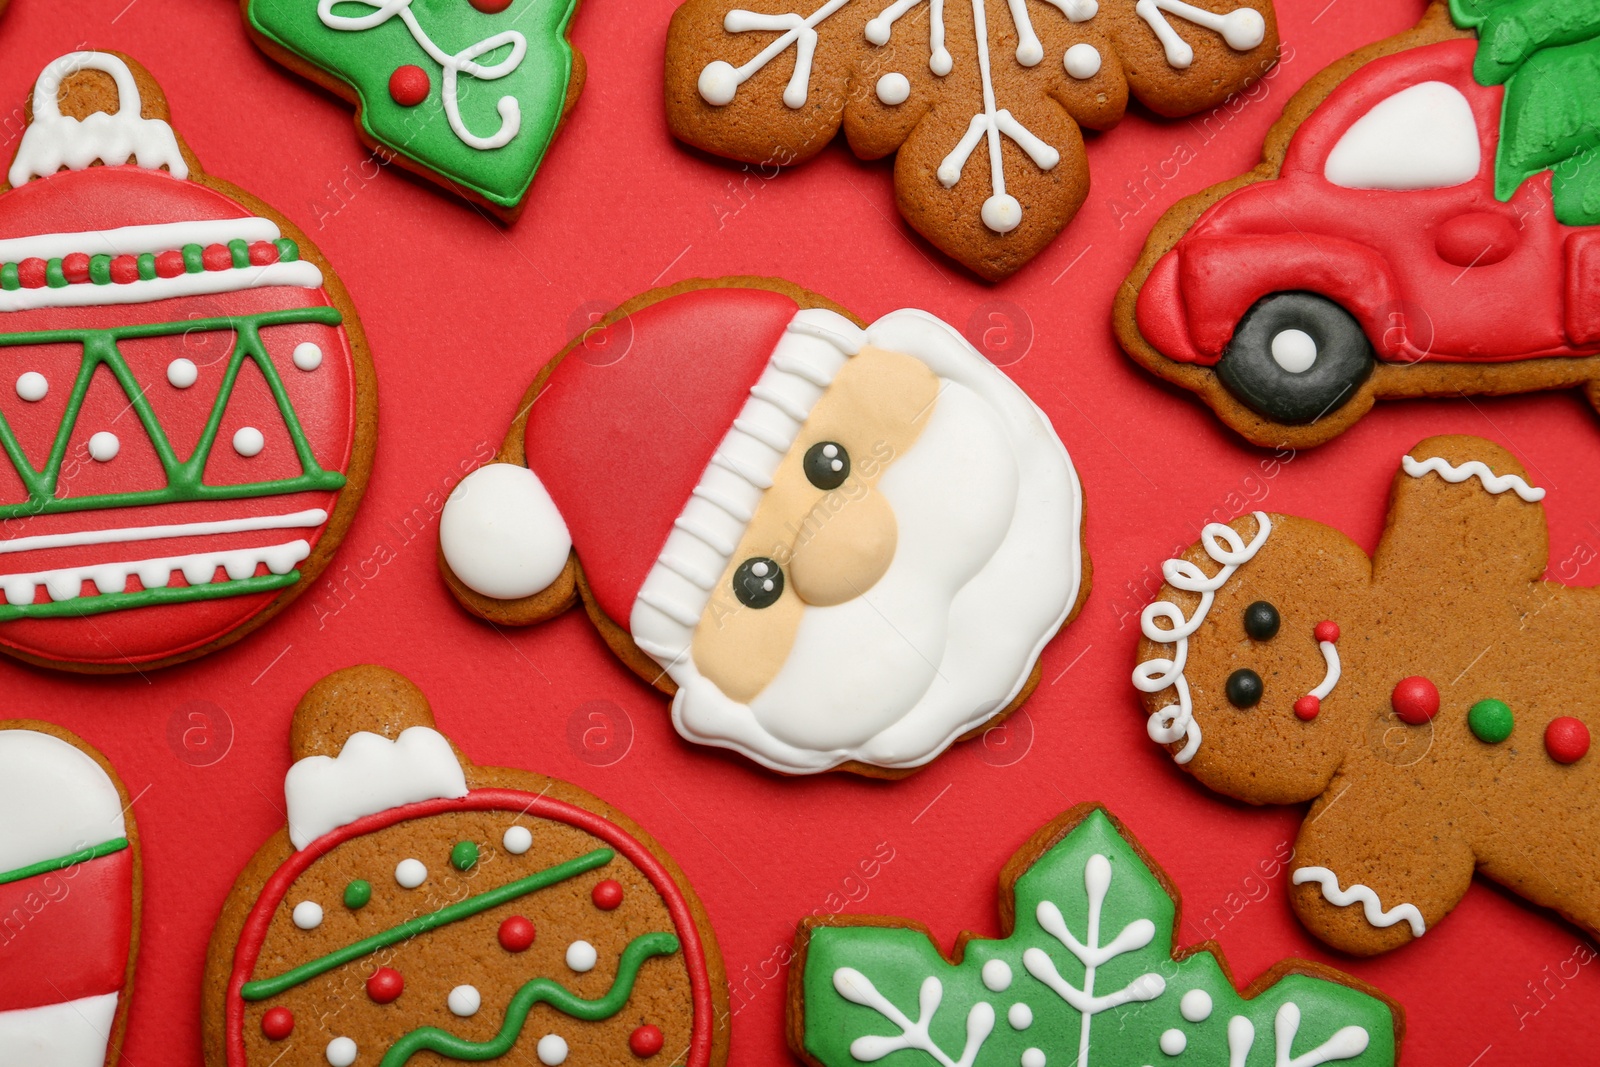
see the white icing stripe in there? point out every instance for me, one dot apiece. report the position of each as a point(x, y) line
point(1330, 655)
point(1363, 895)
point(294, 520)
point(1224, 545)
point(1242, 29)
point(370, 774)
point(204, 283)
point(1494, 483)
point(197, 568)
point(133, 240)
point(74, 1033)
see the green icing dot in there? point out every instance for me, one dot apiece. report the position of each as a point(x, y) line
point(192, 261)
point(1490, 721)
point(357, 893)
point(53, 276)
point(464, 856)
point(288, 251)
point(240, 253)
point(100, 270)
point(147, 266)
point(8, 277)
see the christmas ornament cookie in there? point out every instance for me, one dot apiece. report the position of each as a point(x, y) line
point(1425, 222)
point(835, 544)
point(188, 411)
point(69, 900)
point(1429, 702)
point(421, 909)
point(1086, 972)
point(982, 101)
point(466, 94)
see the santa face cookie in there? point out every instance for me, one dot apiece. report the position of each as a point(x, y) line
point(1426, 222)
point(419, 908)
point(468, 95)
point(863, 568)
point(1086, 972)
point(186, 408)
point(69, 900)
point(981, 101)
point(1427, 701)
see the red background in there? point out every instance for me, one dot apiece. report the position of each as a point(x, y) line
point(461, 312)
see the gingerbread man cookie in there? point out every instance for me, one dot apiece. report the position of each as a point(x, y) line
point(1434, 702)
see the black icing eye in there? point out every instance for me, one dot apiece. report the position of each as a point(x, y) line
point(1261, 621)
point(827, 465)
point(758, 582)
point(1244, 688)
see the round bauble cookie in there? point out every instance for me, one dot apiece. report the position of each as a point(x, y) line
point(418, 906)
point(189, 414)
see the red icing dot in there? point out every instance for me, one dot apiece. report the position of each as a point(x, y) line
point(31, 272)
point(491, 7)
point(262, 253)
point(217, 257)
point(607, 895)
point(75, 266)
point(168, 264)
point(385, 985)
point(124, 269)
point(1307, 707)
point(1566, 739)
point(1327, 631)
point(408, 85)
point(1415, 700)
point(277, 1023)
point(516, 934)
point(646, 1041)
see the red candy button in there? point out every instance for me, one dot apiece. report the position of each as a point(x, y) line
point(1307, 707)
point(385, 985)
point(516, 934)
point(646, 1041)
point(408, 85)
point(1415, 700)
point(1566, 739)
point(1326, 631)
point(607, 895)
point(277, 1023)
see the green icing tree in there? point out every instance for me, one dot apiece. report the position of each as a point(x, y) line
point(1086, 977)
point(1547, 55)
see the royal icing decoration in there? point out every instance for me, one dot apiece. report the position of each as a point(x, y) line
point(54, 141)
point(1494, 483)
point(370, 774)
point(1360, 894)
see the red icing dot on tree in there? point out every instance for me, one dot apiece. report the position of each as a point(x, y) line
point(277, 1023)
point(607, 895)
point(409, 85)
point(646, 1041)
point(1327, 631)
point(385, 985)
point(491, 7)
point(1415, 700)
point(1566, 739)
point(516, 934)
point(1307, 707)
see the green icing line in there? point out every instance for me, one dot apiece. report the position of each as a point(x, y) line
point(464, 856)
point(193, 261)
point(53, 277)
point(105, 848)
point(240, 252)
point(357, 894)
point(147, 598)
point(147, 266)
point(100, 270)
point(8, 277)
point(537, 991)
point(288, 251)
point(462, 909)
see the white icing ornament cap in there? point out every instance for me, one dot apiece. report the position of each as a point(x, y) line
point(370, 774)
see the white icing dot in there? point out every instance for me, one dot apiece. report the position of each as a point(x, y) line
point(104, 446)
point(1243, 29)
point(307, 356)
point(1294, 350)
point(182, 373)
point(830, 450)
point(1082, 61)
point(581, 956)
point(410, 873)
point(341, 1052)
point(894, 88)
point(759, 570)
point(552, 1050)
point(1173, 1042)
point(248, 441)
point(464, 1001)
point(718, 82)
point(1020, 1016)
point(307, 915)
point(1002, 213)
point(32, 386)
point(518, 839)
point(1033, 1057)
point(1195, 1005)
point(997, 975)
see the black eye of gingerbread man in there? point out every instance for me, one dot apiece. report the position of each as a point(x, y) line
point(758, 582)
point(827, 465)
point(1244, 688)
point(1261, 621)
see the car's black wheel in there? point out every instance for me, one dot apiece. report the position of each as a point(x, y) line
point(1295, 357)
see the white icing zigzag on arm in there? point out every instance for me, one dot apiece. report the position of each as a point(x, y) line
point(1358, 893)
point(1243, 28)
point(1494, 483)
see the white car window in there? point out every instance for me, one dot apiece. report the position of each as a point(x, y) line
point(1424, 137)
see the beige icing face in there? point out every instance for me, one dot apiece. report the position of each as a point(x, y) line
point(832, 545)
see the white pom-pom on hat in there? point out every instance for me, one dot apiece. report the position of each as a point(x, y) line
point(502, 534)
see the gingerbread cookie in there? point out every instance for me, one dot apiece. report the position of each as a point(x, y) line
point(1085, 972)
point(189, 416)
point(982, 102)
point(1433, 703)
point(69, 900)
point(835, 544)
point(468, 95)
point(419, 908)
point(1425, 222)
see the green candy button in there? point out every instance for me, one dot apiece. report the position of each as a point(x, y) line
point(1490, 721)
point(357, 894)
point(464, 856)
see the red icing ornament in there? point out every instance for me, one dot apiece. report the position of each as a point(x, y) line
point(1415, 700)
point(491, 7)
point(385, 985)
point(277, 1024)
point(1327, 631)
point(646, 1041)
point(1307, 707)
point(409, 85)
point(516, 934)
point(1566, 739)
point(607, 895)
